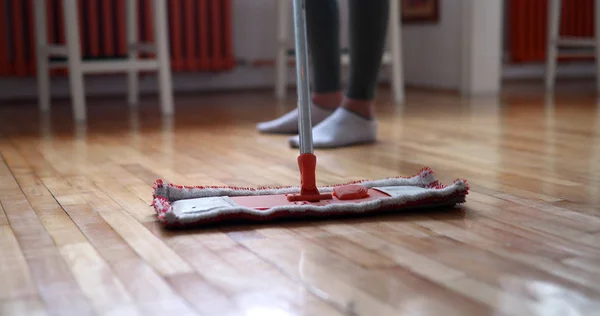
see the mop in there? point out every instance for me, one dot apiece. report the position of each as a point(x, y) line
point(182, 206)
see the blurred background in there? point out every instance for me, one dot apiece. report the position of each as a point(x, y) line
point(471, 47)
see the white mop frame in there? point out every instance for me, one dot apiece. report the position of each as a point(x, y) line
point(183, 205)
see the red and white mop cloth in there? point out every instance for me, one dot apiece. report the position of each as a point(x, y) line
point(177, 205)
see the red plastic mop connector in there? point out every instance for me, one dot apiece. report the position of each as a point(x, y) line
point(308, 180)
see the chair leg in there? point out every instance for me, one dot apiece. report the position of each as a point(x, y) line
point(162, 54)
point(395, 35)
point(554, 12)
point(597, 35)
point(43, 70)
point(281, 58)
point(132, 39)
point(70, 8)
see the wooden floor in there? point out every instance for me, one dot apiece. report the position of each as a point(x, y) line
point(78, 236)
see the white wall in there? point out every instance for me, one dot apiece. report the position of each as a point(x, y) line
point(482, 47)
point(254, 38)
point(432, 56)
point(432, 52)
point(254, 28)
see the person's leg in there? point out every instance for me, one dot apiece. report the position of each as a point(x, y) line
point(368, 26)
point(322, 28)
point(354, 122)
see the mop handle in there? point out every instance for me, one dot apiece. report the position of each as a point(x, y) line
point(304, 122)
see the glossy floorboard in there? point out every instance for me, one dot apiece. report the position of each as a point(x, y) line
point(78, 237)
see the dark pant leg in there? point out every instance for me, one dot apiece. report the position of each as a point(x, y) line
point(368, 31)
point(323, 32)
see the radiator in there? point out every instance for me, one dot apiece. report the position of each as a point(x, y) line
point(200, 33)
point(528, 27)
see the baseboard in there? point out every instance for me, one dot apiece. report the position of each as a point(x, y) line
point(537, 71)
point(244, 77)
point(114, 85)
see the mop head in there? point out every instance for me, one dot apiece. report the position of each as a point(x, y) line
point(182, 206)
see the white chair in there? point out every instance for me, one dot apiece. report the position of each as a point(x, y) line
point(78, 67)
point(392, 57)
point(555, 41)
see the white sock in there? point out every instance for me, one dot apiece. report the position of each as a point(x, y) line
point(342, 128)
point(288, 123)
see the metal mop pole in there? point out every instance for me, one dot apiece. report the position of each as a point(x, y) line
point(307, 161)
point(304, 122)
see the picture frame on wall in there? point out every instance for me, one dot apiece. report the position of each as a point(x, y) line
point(420, 11)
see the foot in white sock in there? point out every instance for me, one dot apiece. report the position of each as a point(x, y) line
point(342, 128)
point(288, 123)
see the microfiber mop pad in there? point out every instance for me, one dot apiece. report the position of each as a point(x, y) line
point(180, 206)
